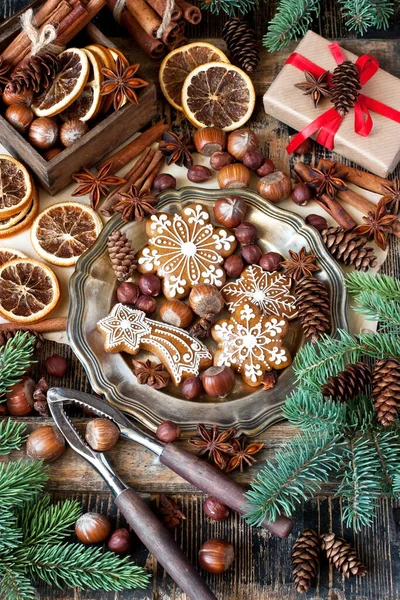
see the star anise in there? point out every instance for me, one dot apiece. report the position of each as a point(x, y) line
point(391, 195)
point(170, 513)
point(146, 373)
point(315, 87)
point(326, 181)
point(269, 380)
point(242, 454)
point(135, 205)
point(301, 264)
point(121, 82)
point(217, 446)
point(378, 224)
point(96, 185)
point(176, 149)
point(4, 69)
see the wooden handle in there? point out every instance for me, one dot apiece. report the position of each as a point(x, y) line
point(214, 482)
point(162, 545)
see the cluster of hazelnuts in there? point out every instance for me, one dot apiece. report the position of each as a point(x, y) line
point(43, 133)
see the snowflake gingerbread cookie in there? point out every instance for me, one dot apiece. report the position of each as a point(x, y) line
point(185, 249)
point(269, 291)
point(251, 343)
point(129, 330)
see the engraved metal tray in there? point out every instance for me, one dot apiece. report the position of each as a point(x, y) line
point(93, 293)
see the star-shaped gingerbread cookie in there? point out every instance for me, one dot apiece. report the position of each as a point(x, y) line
point(185, 249)
point(251, 343)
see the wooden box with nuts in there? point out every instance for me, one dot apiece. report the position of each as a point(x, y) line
point(56, 147)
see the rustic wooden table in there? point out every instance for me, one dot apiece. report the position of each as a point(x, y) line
point(262, 562)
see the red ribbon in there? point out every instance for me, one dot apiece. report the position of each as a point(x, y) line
point(329, 122)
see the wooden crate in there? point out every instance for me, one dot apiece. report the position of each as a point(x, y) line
point(102, 138)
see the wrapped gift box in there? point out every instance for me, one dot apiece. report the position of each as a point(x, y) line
point(379, 152)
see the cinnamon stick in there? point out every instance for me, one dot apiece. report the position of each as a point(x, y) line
point(131, 150)
point(92, 8)
point(363, 179)
point(150, 21)
point(148, 182)
point(46, 326)
point(191, 13)
point(159, 7)
point(331, 206)
point(157, 158)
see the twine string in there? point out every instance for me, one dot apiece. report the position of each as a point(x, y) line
point(39, 39)
point(166, 20)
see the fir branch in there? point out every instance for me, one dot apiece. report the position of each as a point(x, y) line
point(360, 15)
point(361, 414)
point(378, 308)
point(309, 410)
point(15, 359)
point(380, 345)
point(12, 436)
point(298, 470)
point(387, 446)
point(10, 533)
point(292, 20)
point(231, 8)
point(83, 567)
point(14, 585)
point(387, 287)
point(20, 482)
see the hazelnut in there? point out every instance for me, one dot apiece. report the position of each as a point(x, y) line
point(305, 147)
point(168, 431)
point(10, 97)
point(253, 159)
point(176, 312)
point(150, 285)
point(43, 133)
point(192, 387)
point(20, 116)
point(3, 410)
point(234, 265)
point(52, 153)
point(128, 293)
point(92, 528)
point(266, 168)
point(242, 141)
point(20, 397)
point(205, 300)
point(164, 181)
point(275, 187)
point(45, 443)
point(198, 174)
point(301, 194)
point(246, 233)
point(234, 176)
point(72, 131)
point(216, 555)
point(215, 510)
point(271, 261)
point(220, 159)
point(320, 223)
point(101, 434)
point(230, 210)
point(251, 253)
point(147, 304)
point(209, 140)
point(56, 365)
point(120, 541)
point(218, 382)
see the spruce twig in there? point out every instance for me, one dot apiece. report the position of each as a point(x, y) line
point(387, 287)
point(45, 523)
point(231, 8)
point(360, 15)
point(12, 435)
point(377, 308)
point(15, 359)
point(292, 20)
point(307, 409)
point(20, 482)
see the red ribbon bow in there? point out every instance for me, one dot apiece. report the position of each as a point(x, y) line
point(329, 122)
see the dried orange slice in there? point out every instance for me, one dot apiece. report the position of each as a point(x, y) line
point(10, 227)
point(66, 86)
point(15, 186)
point(106, 58)
point(62, 232)
point(29, 290)
point(87, 105)
point(177, 65)
point(218, 95)
point(7, 254)
point(115, 53)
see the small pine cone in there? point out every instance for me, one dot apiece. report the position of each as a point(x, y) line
point(305, 559)
point(122, 256)
point(386, 390)
point(345, 87)
point(242, 44)
point(7, 334)
point(313, 305)
point(349, 248)
point(37, 74)
point(342, 555)
point(349, 383)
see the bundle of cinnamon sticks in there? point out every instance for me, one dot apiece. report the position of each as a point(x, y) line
point(142, 19)
point(69, 17)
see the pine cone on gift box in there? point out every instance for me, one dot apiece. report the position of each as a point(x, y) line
point(349, 248)
point(313, 305)
point(386, 390)
point(346, 87)
point(242, 44)
point(349, 383)
point(305, 559)
point(122, 256)
point(342, 555)
point(37, 75)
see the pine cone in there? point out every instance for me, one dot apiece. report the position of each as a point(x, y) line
point(7, 334)
point(386, 390)
point(242, 44)
point(349, 248)
point(305, 559)
point(342, 555)
point(346, 87)
point(37, 74)
point(348, 383)
point(313, 305)
point(122, 256)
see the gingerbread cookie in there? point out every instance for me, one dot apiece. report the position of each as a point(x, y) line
point(251, 343)
point(185, 249)
point(269, 291)
point(129, 330)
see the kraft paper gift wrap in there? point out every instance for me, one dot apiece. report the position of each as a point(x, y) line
point(380, 151)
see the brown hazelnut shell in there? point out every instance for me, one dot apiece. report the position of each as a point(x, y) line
point(177, 313)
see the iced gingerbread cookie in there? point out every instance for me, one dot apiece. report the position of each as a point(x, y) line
point(251, 343)
point(129, 330)
point(185, 249)
point(269, 291)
